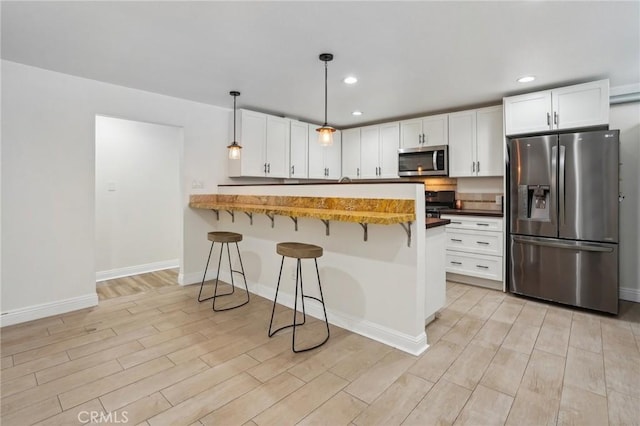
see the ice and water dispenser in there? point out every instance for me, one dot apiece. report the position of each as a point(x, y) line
point(534, 202)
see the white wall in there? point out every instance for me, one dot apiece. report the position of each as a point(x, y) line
point(138, 211)
point(48, 185)
point(626, 117)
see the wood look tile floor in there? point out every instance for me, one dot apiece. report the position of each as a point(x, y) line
point(150, 354)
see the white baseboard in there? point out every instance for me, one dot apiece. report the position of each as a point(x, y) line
point(630, 294)
point(136, 269)
point(35, 312)
point(415, 345)
point(196, 277)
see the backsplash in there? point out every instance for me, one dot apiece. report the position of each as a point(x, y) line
point(440, 184)
point(480, 201)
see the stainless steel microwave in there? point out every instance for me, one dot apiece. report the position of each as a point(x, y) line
point(424, 161)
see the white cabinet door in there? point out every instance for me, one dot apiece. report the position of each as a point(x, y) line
point(277, 147)
point(369, 151)
point(462, 143)
point(333, 157)
point(389, 144)
point(528, 113)
point(581, 105)
point(299, 143)
point(252, 137)
point(489, 142)
point(351, 153)
point(425, 131)
point(411, 133)
point(435, 130)
point(317, 169)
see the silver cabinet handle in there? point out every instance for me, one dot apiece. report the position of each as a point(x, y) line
point(455, 263)
point(358, 171)
point(569, 245)
point(455, 240)
point(482, 224)
point(561, 174)
point(555, 118)
point(482, 266)
point(265, 168)
point(478, 167)
point(484, 243)
point(473, 166)
point(293, 169)
point(456, 223)
point(268, 167)
point(548, 119)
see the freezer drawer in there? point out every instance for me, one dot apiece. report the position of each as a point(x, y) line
point(570, 272)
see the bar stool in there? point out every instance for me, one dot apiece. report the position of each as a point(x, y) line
point(299, 251)
point(224, 238)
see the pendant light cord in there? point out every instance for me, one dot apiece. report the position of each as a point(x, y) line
point(325, 93)
point(234, 118)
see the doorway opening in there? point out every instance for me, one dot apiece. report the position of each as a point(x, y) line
point(138, 193)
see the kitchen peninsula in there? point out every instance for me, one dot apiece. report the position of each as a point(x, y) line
point(374, 275)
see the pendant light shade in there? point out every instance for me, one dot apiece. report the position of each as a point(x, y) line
point(234, 148)
point(325, 133)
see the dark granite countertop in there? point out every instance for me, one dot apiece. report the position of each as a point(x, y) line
point(489, 213)
point(434, 222)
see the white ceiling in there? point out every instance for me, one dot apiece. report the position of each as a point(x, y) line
point(411, 58)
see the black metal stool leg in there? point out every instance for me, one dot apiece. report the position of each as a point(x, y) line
point(321, 300)
point(231, 271)
point(205, 275)
point(275, 299)
point(246, 287)
point(273, 310)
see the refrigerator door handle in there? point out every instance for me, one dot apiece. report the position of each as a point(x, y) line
point(561, 173)
point(570, 245)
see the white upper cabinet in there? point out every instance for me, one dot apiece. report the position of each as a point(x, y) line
point(462, 143)
point(370, 151)
point(324, 162)
point(425, 131)
point(351, 153)
point(490, 142)
point(476, 143)
point(277, 148)
point(333, 157)
point(299, 155)
point(580, 105)
point(388, 150)
point(265, 146)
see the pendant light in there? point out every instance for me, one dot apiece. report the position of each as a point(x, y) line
point(234, 148)
point(325, 133)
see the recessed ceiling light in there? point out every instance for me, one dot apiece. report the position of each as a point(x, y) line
point(526, 79)
point(356, 113)
point(350, 80)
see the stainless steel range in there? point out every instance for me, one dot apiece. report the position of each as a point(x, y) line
point(436, 201)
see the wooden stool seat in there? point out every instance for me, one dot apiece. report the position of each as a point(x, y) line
point(224, 237)
point(299, 250)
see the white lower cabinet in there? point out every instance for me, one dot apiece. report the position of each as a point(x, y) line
point(475, 247)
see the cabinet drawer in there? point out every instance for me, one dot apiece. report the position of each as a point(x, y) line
point(477, 265)
point(481, 242)
point(479, 223)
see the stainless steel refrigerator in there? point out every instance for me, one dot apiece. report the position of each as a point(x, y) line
point(563, 207)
